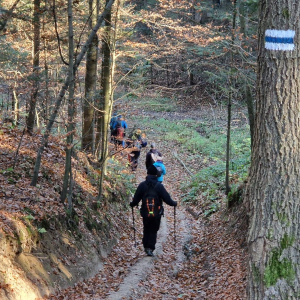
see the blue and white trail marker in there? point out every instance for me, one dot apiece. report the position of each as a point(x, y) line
point(282, 40)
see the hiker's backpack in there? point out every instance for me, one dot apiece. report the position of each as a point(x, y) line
point(151, 204)
point(159, 171)
point(136, 146)
point(118, 123)
point(119, 129)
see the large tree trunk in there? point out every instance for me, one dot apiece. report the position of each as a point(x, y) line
point(36, 63)
point(45, 102)
point(90, 83)
point(274, 191)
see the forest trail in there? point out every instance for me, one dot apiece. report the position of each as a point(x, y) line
point(124, 278)
point(208, 262)
point(132, 286)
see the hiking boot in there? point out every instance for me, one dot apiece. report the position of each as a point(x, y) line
point(149, 252)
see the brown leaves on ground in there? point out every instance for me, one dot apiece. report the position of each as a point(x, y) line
point(209, 264)
point(17, 197)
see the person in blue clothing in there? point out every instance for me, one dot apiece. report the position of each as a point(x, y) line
point(112, 123)
point(159, 163)
point(119, 127)
point(117, 121)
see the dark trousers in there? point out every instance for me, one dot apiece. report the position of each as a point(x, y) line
point(151, 226)
point(134, 160)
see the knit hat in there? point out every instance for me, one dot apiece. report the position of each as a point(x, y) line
point(152, 170)
point(152, 145)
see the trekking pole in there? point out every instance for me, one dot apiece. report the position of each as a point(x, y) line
point(175, 228)
point(133, 227)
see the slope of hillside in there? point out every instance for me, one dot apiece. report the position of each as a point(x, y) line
point(42, 249)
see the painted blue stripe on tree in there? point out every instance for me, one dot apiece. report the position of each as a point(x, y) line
point(280, 40)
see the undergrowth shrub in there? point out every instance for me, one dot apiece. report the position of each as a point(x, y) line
point(204, 143)
point(209, 182)
point(157, 104)
point(121, 182)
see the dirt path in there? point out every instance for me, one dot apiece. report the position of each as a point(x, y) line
point(133, 286)
point(209, 261)
point(127, 272)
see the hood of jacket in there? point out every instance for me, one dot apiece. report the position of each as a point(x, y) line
point(155, 151)
point(151, 179)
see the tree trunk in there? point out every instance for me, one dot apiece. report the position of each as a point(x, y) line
point(67, 183)
point(63, 91)
point(274, 191)
point(110, 95)
point(103, 120)
point(227, 183)
point(251, 111)
point(16, 108)
point(242, 15)
point(90, 83)
point(47, 92)
point(36, 64)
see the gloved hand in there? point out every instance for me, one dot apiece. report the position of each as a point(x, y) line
point(175, 203)
point(131, 204)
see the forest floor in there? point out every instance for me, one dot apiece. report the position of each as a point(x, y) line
point(196, 257)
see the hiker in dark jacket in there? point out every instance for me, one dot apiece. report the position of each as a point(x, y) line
point(149, 160)
point(133, 156)
point(135, 142)
point(112, 122)
point(151, 225)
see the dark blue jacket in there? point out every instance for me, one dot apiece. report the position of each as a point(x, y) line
point(159, 189)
